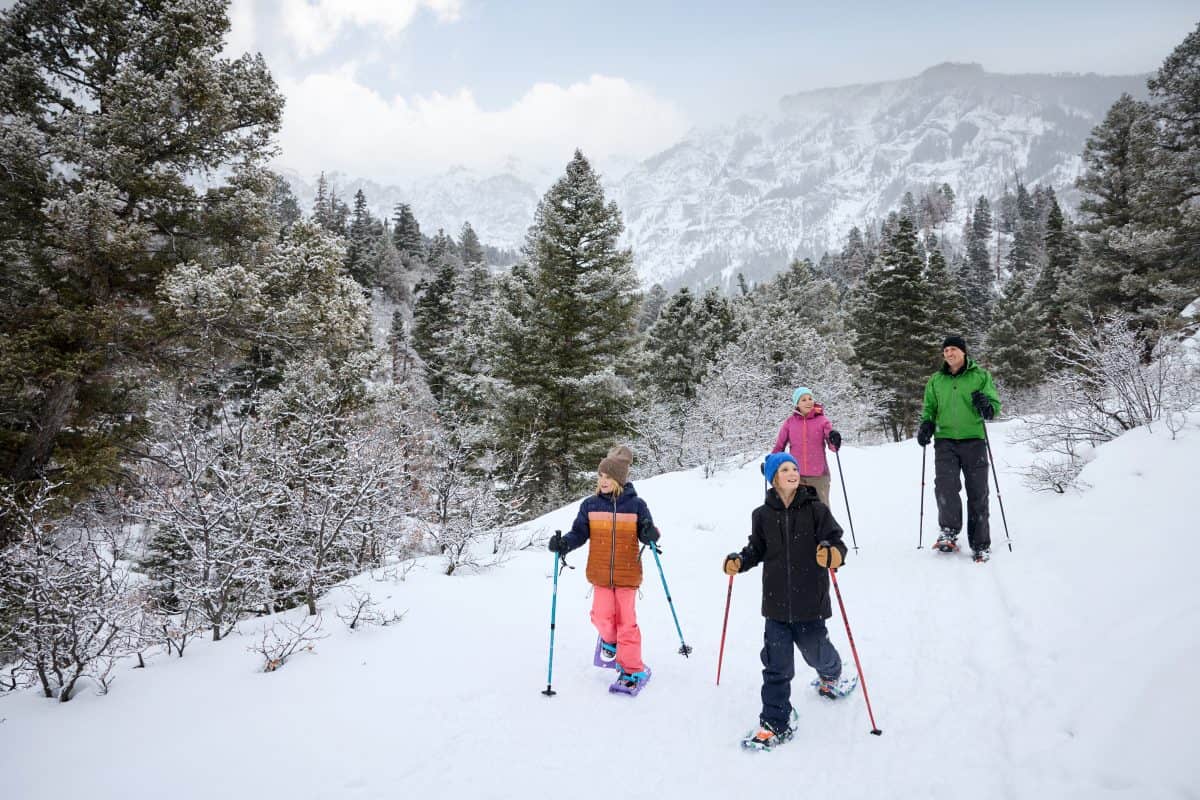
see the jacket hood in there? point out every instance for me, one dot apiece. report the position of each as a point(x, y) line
point(804, 495)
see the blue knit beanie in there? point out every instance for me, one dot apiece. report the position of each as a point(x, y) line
point(774, 462)
point(800, 392)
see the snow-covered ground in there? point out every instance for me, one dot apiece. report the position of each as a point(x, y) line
point(1065, 668)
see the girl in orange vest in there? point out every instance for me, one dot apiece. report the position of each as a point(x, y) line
point(615, 520)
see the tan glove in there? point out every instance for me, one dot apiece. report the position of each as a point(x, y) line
point(828, 556)
point(733, 564)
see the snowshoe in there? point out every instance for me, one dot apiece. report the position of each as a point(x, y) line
point(983, 555)
point(766, 737)
point(606, 654)
point(630, 683)
point(835, 689)
point(947, 542)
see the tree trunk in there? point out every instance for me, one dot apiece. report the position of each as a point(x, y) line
point(37, 451)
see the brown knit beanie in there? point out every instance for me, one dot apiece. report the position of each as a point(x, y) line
point(617, 463)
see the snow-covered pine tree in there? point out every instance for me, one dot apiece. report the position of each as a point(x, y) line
point(895, 339)
point(406, 233)
point(566, 340)
point(652, 306)
point(979, 277)
point(469, 246)
point(1056, 306)
point(1014, 349)
point(360, 245)
point(435, 317)
point(949, 312)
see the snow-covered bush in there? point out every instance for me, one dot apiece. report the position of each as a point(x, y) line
point(67, 611)
point(1105, 390)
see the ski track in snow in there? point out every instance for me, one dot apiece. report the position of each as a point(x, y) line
point(1061, 669)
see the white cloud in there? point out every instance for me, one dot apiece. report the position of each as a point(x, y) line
point(241, 29)
point(333, 122)
point(312, 27)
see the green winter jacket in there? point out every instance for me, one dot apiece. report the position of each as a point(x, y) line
point(948, 401)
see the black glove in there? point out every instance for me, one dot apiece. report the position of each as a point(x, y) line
point(557, 544)
point(982, 404)
point(925, 433)
point(647, 533)
point(835, 439)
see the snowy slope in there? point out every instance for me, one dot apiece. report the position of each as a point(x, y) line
point(1062, 669)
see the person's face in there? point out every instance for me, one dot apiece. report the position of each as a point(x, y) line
point(787, 477)
point(607, 484)
point(805, 404)
point(954, 357)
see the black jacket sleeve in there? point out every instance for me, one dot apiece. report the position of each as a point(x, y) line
point(827, 529)
point(756, 547)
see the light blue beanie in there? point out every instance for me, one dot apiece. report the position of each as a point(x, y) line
point(800, 392)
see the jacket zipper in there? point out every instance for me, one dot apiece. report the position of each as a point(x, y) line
point(803, 445)
point(612, 558)
point(787, 553)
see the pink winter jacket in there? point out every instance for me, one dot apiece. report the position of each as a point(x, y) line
point(805, 438)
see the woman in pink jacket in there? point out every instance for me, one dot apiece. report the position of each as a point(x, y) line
point(805, 434)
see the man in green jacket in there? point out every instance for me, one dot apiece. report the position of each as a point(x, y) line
point(958, 398)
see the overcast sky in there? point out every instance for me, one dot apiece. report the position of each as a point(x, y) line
point(387, 89)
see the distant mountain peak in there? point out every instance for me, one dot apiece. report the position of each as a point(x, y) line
point(953, 68)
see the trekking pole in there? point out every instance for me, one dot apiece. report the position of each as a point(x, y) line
point(553, 612)
point(724, 625)
point(858, 664)
point(996, 480)
point(684, 650)
point(921, 525)
point(845, 497)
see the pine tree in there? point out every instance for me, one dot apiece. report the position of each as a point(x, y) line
point(1016, 357)
point(360, 249)
point(949, 311)
point(1056, 305)
point(652, 306)
point(567, 332)
point(893, 331)
point(674, 363)
point(406, 233)
point(469, 246)
point(1026, 250)
point(978, 279)
point(435, 318)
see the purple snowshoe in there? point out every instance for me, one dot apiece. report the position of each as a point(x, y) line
point(630, 683)
point(606, 655)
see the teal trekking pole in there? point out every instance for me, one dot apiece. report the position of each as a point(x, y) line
point(553, 612)
point(684, 649)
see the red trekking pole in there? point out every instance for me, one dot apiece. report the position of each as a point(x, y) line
point(724, 625)
point(858, 664)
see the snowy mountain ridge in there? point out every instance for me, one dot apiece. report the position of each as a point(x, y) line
point(749, 196)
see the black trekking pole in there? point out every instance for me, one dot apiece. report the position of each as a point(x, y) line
point(921, 524)
point(842, 476)
point(857, 664)
point(558, 557)
point(996, 480)
point(684, 649)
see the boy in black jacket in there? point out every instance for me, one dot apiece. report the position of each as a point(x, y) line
point(797, 540)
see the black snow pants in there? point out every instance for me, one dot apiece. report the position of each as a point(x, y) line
point(970, 457)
